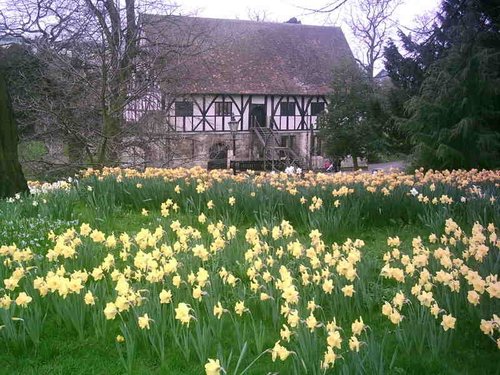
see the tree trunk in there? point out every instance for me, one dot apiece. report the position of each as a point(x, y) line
point(12, 179)
point(109, 148)
point(355, 165)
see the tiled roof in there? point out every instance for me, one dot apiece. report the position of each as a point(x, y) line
point(247, 57)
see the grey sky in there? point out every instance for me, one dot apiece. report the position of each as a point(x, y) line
point(282, 10)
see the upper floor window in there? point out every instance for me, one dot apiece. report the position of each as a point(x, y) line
point(317, 108)
point(184, 108)
point(287, 109)
point(223, 108)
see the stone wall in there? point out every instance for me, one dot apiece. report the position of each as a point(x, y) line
point(194, 149)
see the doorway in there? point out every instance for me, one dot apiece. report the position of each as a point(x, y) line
point(258, 115)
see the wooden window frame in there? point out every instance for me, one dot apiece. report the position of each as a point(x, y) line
point(223, 108)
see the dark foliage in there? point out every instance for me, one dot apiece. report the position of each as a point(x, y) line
point(453, 81)
point(349, 127)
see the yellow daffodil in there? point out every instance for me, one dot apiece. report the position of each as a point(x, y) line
point(110, 311)
point(212, 367)
point(143, 321)
point(165, 296)
point(89, 298)
point(219, 310)
point(354, 344)
point(23, 299)
point(448, 322)
point(279, 351)
point(182, 313)
point(240, 308)
point(358, 326)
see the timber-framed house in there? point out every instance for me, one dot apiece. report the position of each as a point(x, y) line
point(247, 91)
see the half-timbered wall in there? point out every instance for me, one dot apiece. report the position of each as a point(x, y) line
point(206, 118)
point(206, 123)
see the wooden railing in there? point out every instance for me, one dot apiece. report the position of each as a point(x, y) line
point(273, 151)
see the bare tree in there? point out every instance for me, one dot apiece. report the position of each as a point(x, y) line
point(371, 23)
point(329, 7)
point(97, 59)
point(258, 15)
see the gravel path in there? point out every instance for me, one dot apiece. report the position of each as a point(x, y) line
point(386, 166)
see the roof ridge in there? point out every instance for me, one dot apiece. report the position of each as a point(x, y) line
point(286, 24)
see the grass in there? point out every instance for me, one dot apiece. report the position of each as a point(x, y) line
point(417, 345)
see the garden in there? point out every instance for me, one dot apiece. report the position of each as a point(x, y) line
point(188, 271)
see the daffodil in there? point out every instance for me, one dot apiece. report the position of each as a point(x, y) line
point(358, 326)
point(240, 308)
point(110, 311)
point(473, 297)
point(311, 322)
point(198, 293)
point(348, 290)
point(182, 313)
point(212, 367)
point(279, 351)
point(328, 286)
point(329, 358)
point(448, 322)
point(89, 298)
point(354, 344)
point(285, 333)
point(219, 310)
point(143, 321)
point(23, 299)
point(165, 296)
point(334, 339)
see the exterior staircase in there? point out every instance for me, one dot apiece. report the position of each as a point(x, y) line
point(279, 157)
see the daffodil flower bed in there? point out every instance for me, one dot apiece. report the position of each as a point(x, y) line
point(259, 273)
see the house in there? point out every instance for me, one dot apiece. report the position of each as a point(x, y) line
point(246, 91)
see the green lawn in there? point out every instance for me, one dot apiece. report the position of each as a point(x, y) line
point(60, 334)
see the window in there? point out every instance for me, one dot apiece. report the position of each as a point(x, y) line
point(183, 108)
point(317, 108)
point(223, 108)
point(288, 141)
point(287, 109)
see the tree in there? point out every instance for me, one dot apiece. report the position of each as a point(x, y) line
point(349, 126)
point(257, 15)
point(95, 59)
point(11, 175)
point(407, 71)
point(453, 79)
point(371, 23)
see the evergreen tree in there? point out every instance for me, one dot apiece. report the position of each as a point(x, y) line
point(453, 80)
point(349, 125)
